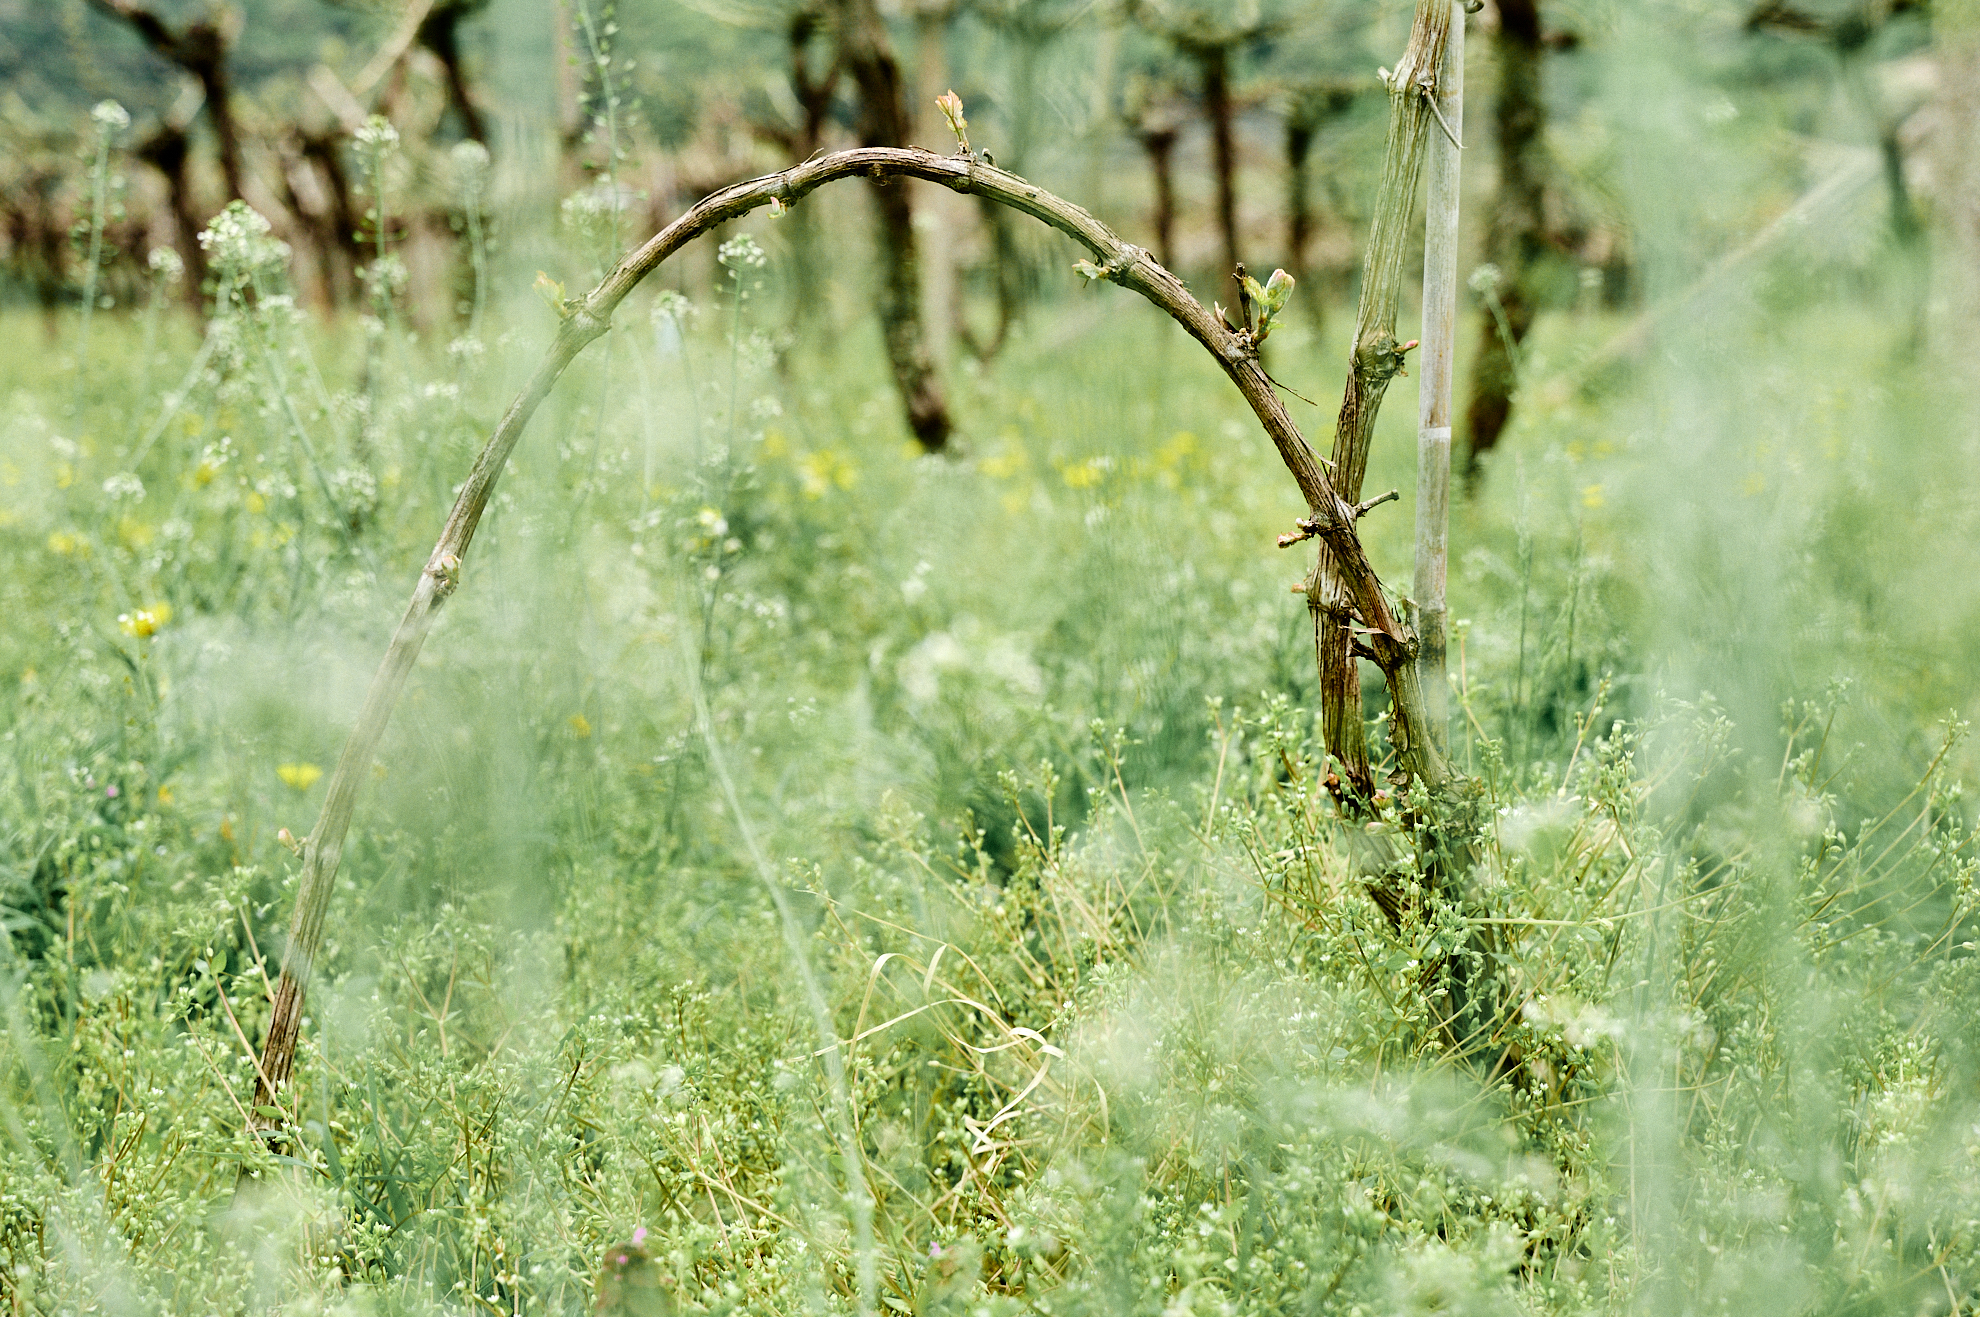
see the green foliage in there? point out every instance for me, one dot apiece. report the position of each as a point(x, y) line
point(1669, 1008)
point(1138, 1027)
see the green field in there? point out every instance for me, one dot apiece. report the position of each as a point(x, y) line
point(807, 875)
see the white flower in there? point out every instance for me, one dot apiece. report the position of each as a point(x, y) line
point(590, 210)
point(670, 305)
point(739, 253)
point(242, 244)
point(376, 134)
point(356, 490)
point(469, 157)
point(110, 116)
point(385, 276)
point(124, 486)
point(166, 264)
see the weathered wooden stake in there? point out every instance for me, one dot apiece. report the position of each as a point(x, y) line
point(1433, 435)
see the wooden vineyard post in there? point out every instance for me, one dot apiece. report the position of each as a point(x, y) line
point(1433, 435)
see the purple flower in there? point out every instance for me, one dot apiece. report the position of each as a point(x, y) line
point(639, 1236)
point(110, 792)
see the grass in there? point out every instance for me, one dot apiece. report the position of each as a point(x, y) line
point(1026, 738)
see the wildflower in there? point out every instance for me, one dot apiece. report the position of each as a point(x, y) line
point(670, 305)
point(584, 209)
point(825, 470)
point(470, 161)
point(740, 253)
point(385, 276)
point(1087, 474)
point(376, 134)
point(356, 490)
point(145, 622)
point(124, 487)
point(242, 244)
point(301, 776)
point(211, 459)
point(166, 264)
point(110, 116)
point(580, 726)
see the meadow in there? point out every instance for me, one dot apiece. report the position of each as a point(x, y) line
point(809, 875)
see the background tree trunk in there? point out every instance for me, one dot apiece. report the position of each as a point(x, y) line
point(1160, 144)
point(1153, 113)
point(201, 51)
point(884, 121)
point(1310, 109)
point(813, 92)
point(440, 33)
point(1516, 231)
point(166, 151)
point(1213, 59)
point(1300, 128)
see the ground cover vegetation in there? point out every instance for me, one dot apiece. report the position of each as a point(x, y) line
point(826, 861)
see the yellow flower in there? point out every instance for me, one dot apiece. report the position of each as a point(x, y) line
point(1005, 464)
point(300, 776)
point(164, 795)
point(825, 470)
point(1087, 474)
point(65, 544)
point(580, 726)
point(145, 621)
point(1593, 497)
point(1182, 446)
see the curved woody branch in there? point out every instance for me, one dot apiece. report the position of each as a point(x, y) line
point(1330, 517)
